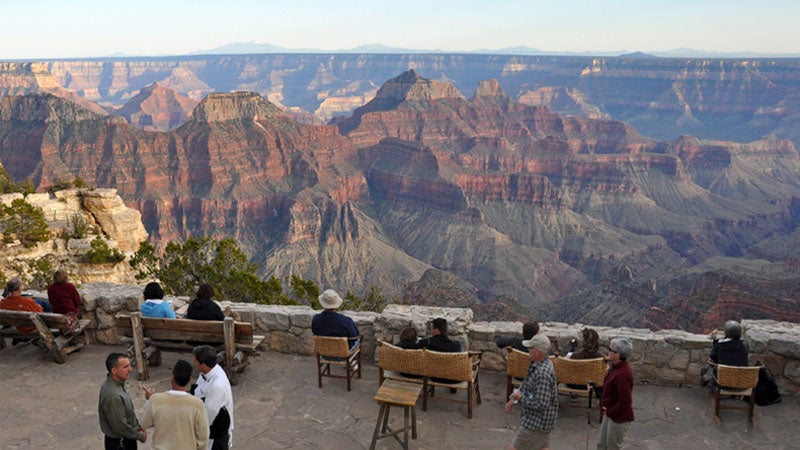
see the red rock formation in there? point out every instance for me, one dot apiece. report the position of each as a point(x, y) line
point(157, 108)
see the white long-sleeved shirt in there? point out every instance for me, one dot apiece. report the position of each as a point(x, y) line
point(215, 391)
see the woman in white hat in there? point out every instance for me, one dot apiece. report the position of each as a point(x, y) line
point(331, 323)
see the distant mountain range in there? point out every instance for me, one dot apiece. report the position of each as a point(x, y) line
point(257, 47)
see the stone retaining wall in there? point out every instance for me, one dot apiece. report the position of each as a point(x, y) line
point(670, 357)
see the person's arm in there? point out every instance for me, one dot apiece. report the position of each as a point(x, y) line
point(76, 297)
point(147, 415)
point(503, 342)
point(201, 429)
point(120, 421)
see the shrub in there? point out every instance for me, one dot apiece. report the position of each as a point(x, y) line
point(80, 227)
point(23, 221)
point(101, 253)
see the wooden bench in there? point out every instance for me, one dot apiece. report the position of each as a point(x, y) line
point(150, 335)
point(51, 329)
point(394, 362)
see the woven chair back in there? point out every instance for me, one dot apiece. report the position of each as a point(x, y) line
point(335, 347)
point(517, 363)
point(451, 366)
point(580, 371)
point(737, 377)
point(396, 359)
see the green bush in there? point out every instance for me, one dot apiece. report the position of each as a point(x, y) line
point(80, 227)
point(23, 221)
point(101, 253)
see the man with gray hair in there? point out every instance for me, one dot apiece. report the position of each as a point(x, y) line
point(617, 397)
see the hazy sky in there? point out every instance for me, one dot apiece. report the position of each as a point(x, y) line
point(85, 28)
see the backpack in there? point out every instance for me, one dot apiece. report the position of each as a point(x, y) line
point(766, 391)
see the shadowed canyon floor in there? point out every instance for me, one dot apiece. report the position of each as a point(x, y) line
point(278, 405)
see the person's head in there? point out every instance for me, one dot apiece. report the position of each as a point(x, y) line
point(181, 373)
point(591, 340)
point(118, 366)
point(530, 329)
point(205, 358)
point(733, 330)
point(329, 299)
point(60, 276)
point(13, 285)
point(153, 291)
point(205, 291)
point(619, 350)
point(438, 326)
point(538, 347)
point(408, 334)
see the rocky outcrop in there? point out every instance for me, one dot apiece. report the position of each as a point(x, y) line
point(100, 212)
point(157, 108)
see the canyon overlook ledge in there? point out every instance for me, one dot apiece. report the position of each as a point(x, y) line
point(669, 357)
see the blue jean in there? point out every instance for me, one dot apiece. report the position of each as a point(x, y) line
point(46, 306)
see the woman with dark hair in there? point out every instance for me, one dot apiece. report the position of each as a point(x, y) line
point(154, 304)
point(590, 345)
point(63, 296)
point(409, 339)
point(202, 307)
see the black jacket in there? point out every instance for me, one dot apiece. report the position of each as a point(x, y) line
point(204, 309)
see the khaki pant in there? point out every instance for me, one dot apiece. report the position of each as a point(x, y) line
point(612, 434)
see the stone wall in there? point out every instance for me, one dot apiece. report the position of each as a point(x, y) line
point(669, 357)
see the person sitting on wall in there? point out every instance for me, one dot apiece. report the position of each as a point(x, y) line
point(154, 304)
point(12, 300)
point(439, 342)
point(63, 295)
point(331, 323)
point(202, 307)
point(529, 330)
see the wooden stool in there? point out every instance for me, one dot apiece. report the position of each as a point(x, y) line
point(396, 393)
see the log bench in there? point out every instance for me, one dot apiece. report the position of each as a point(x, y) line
point(149, 336)
point(51, 329)
point(426, 367)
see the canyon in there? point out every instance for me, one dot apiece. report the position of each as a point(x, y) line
point(487, 201)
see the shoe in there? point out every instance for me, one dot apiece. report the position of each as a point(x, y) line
point(453, 390)
point(573, 398)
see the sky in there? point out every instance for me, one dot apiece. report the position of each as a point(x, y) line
point(39, 29)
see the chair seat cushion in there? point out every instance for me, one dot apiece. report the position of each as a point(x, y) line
point(401, 377)
point(728, 391)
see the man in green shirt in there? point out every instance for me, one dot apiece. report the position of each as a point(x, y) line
point(117, 416)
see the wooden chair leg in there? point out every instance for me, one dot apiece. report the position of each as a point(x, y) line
point(508, 386)
point(319, 371)
point(752, 407)
point(478, 389)
point(715, 406)
point(469, 400)
point(425, 395)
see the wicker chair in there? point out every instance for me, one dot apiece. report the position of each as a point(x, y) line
point(517, 364)
point(396, 363)
point(461, 366)
point(736, 381)
point(580, 372)
point(335, 351)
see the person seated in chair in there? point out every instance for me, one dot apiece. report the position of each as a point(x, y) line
point(331, 323)
point(730, 350)
point(409, 341)
point(439, 342)
point(590, 349)
point(529, 330)
point(63, 295)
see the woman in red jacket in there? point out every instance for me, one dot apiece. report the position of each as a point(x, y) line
point(63, 295)
point(617, 397)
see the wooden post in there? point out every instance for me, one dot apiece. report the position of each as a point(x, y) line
point(138, 345)
point(48, 338)
point(230, 346)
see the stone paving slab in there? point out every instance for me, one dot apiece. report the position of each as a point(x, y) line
point(44, 405)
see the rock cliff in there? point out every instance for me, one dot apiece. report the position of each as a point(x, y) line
point(513, 200)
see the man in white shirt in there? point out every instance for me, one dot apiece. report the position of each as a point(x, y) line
point(214, 389)
point(179, 418)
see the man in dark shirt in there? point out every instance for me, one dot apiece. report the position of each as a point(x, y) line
point(202, 307)
point(529, 330)
point(331, 323)
point(439, 342)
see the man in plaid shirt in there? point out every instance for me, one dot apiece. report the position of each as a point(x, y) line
point(538, 396)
